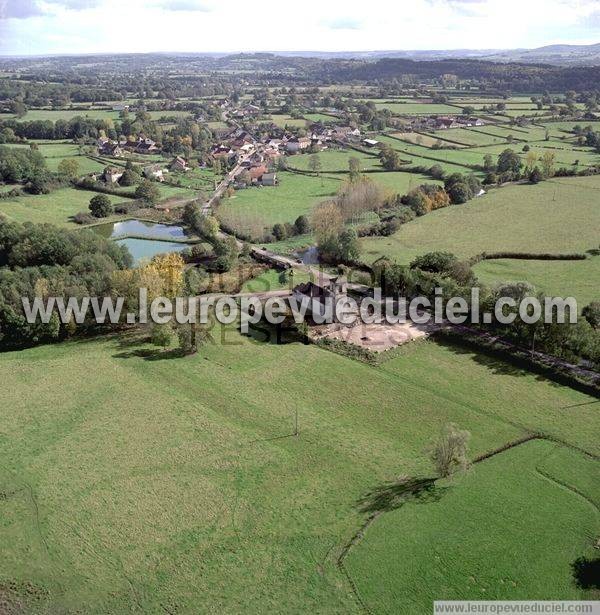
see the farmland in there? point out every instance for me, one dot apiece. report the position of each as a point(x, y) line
point(560, 278)
point(427, 559)
point(256, 208)
point(179, 470)
point(175, 473)
point(561, 215)
point(58, 207)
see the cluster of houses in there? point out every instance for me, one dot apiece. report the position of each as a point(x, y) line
point(441, 122)
point(112, 175)
point(117, 149)
point(254, 158)
point(234, 144)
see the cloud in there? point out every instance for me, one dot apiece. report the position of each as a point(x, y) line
point(185, 5)
point(76, 5)
point(344, 23)
point(19, 9)
point(22, 9)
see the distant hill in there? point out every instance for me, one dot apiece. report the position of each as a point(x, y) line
point(552, 54)
point(560, 55)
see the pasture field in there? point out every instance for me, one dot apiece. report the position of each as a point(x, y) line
point(577, 279)
point(517, 497)
point(63, 114)
point(283, 120)
point(320, 117)
point(565, 154)
point(254, 209)
point(425, 157)
point(412, 108)
point(562, 215)
point(85, 164)
point(186, 490)
point(55, 208)
point(400, 182)
point(333, 160)
point(422, 138)
point(156, 115)
point(466, 136)
point(199, 178)
point(167, 191)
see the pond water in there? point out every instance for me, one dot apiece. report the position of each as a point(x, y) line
point(144, 239)
point(147, 248)
point(309, 256)
point(140, 228)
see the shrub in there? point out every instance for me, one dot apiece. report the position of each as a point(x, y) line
point(591, 313)
point(83, 217)
point(100, 206)
point(449, 452)
point(434, 262)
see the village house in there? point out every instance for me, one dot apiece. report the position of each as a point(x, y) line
point(179, 164)
point(323, 293)
point(297, 144)
point(112, 175)
point(345, 133)
point(370, 142)
point(154, 171)
point(143, 145)
point(269, 179)
point(120, 107)
point(470, 121)
point(446, 122)
point(110, 148)
point(222, 152)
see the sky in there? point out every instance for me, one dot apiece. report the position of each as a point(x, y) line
point(44, 27)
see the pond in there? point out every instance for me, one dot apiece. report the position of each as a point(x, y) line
point(309, 256)
point(140, 229)
point(144, 239)
point(147, 248)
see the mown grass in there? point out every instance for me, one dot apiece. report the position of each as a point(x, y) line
point(63, 114)
point(556, 216)
point(253, 209)
point(335, 160)
point(417, 108)
point(175, 484)
point(57, 207)
point(577, 279)
point(507, 530)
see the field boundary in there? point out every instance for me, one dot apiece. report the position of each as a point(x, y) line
point(358, 536)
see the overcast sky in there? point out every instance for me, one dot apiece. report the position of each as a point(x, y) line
point(91, 26)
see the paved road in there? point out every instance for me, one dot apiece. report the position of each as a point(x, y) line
point(222, 186)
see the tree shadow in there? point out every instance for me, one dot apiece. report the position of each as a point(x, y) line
point(586, 573)
point(506, 363)
point(151, 354)
point(391, 495)
point(130, 348)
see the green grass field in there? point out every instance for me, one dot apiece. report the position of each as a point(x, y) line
point(561, 215)
point(253, 209)
point(410, 108)
point(400, 182)
point(64, 114)
point(175, 484)
point(54, 208)
point(283, 120)
point(321, 117)
point(577, 279)
point(516, 497)
point(334, 160)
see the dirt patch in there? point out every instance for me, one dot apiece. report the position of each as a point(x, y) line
point(374, 337)
point(19, 597)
